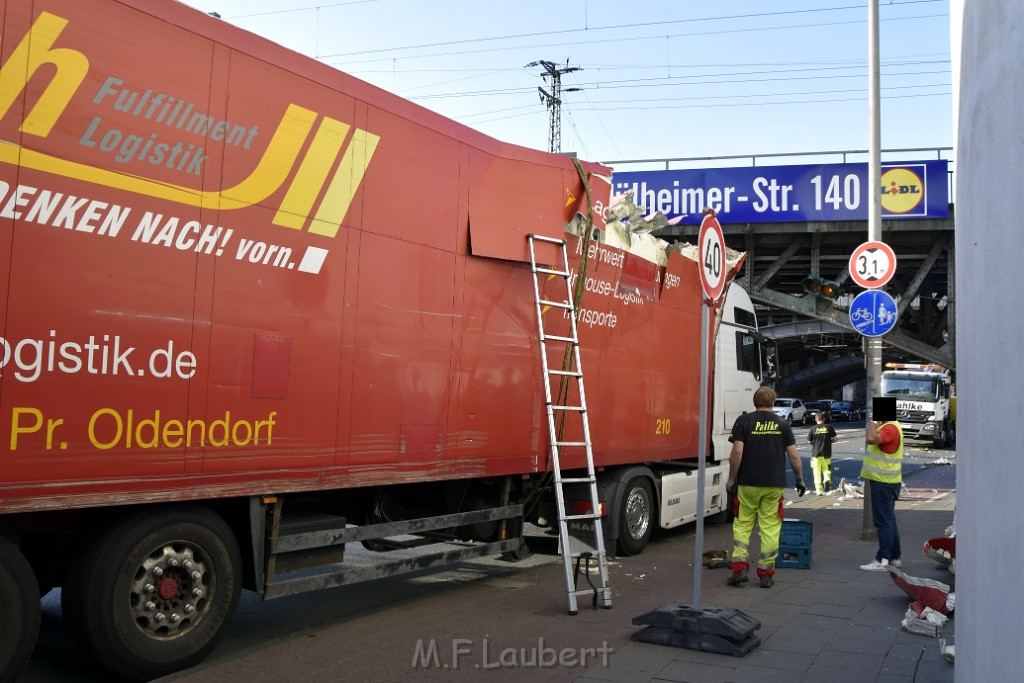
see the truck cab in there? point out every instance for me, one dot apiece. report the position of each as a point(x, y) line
point(744, 360)
point(924, 395)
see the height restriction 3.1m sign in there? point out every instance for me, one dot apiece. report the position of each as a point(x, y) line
point(711, 252)
point(872, 264)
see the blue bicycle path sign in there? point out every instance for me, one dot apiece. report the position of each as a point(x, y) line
point(873, 313)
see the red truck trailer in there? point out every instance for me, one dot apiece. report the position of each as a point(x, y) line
point(255, 309)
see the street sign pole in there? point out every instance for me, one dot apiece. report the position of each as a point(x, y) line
point(873, 355)
point(702, 446)
point(711, 254)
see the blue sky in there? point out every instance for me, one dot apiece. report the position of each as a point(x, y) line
point(657, 79)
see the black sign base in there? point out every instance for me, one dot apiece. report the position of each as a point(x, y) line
point(724, 631)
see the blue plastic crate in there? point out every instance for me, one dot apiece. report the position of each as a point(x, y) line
point(795, 533)
point(794, 557)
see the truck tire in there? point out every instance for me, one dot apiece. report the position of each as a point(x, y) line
point(151, 593)
point(636, 516)
point(19, 611)
point(941, 440)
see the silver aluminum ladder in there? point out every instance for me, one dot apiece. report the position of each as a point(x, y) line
point(557, 412)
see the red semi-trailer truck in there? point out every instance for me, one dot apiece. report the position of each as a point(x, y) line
point(255, 310)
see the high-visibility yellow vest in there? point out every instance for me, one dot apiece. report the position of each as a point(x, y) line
point(884, 467)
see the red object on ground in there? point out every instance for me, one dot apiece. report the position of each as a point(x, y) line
point(942, 543)
point(924, 592)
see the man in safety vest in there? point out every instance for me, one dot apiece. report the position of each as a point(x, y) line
point(761, 442)
point(821, 438)
point(883, 468)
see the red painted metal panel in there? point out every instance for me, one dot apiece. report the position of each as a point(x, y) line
point(412, 185)
point(271, 366)
point(500, 402)
point(639, 276)
point(510, 199)
point(403, 339)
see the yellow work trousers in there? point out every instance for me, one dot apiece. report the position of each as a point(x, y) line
point(763, 503)
point(821, 468)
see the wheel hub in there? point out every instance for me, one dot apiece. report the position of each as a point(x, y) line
point(168, 595)
point(637, 515)
point(168, 588)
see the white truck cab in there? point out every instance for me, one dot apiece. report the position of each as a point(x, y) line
point(924, 397)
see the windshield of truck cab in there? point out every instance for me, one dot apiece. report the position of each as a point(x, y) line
point(910, 388)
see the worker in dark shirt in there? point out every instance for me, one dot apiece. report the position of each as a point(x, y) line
point(761, 442)
point(821, 438)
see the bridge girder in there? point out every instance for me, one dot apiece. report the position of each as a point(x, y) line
point(781, 255)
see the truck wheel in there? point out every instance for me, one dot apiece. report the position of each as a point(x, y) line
point(19, 611)
point(151, 593)
point(636, 517)
point(940, 440)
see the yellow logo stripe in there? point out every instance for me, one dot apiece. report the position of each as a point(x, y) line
point(310, 178)
point(343, 187)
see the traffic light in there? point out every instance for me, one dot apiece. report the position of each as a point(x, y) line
point(822, 287)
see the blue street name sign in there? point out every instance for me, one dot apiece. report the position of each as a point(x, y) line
point(800, 193)
point(873, 313)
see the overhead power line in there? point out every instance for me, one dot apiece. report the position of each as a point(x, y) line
point(619, 27)
point(662, 83)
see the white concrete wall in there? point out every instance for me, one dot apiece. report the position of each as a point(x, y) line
point(990, 342)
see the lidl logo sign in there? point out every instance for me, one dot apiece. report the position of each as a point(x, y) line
point(902, 190)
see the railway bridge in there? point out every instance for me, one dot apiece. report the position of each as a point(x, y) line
point(819, 349)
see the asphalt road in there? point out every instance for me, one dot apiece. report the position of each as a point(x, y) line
point(258, 624)
point(848, 453)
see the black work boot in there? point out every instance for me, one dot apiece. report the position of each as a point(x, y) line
point(767, 581)
point(739, 576)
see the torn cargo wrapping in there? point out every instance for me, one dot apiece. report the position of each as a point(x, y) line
point(628, 229)
point(926, 623)
point(925, 593)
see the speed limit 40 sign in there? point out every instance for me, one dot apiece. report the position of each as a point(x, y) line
point(872, 264)
point(711, 252)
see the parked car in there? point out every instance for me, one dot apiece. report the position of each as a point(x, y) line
point(843, 411)
point(815, 407)
point(862, 409)
point(792, 410)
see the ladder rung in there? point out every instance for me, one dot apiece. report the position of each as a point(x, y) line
point(578, 409)
point(550, 271)
point(587, 515)
point(579, 444)
point(545, 238)
point(578, 480)
point(551, 337)
point(565, 373)
point(556, 304)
